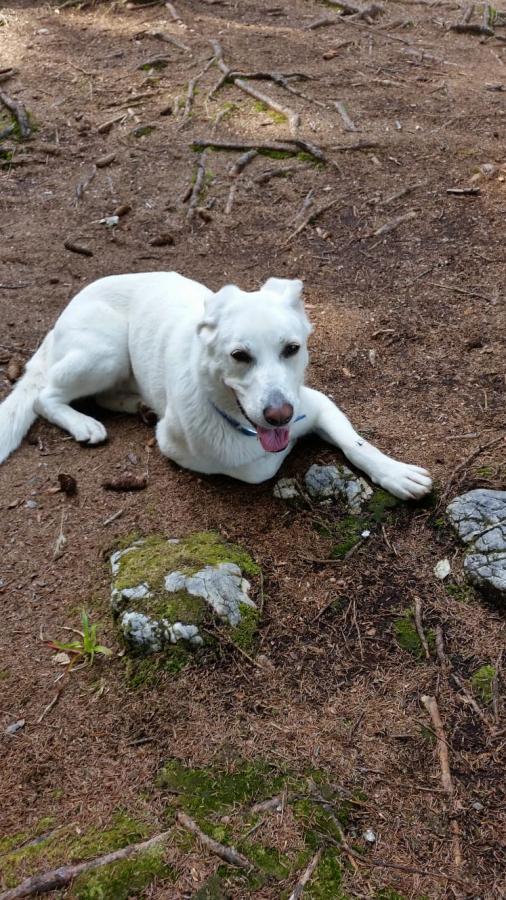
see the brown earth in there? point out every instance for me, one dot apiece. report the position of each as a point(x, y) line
point(409, 340)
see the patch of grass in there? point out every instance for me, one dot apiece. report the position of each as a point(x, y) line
point(407, 638)
point(348, 532)
point(380, 505)
point(243, 635)
point(87, 647)
point(482, 681)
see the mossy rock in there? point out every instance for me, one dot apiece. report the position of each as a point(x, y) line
point(483, 683)
point(170, 591)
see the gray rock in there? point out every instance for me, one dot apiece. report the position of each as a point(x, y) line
point(286, 489)
point(326, 483)
point(222, 587)
point(479, 518)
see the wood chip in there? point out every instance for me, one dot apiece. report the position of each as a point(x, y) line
point(126, 483)
point(78, 248)
point(104, 161)
point(14, 370)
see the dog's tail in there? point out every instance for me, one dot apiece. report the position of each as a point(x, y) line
point(17, 412)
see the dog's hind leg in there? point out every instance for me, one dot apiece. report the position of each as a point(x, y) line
point(77, 374)
point(122, 399)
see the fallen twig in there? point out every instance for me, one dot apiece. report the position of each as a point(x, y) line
point(229, 854)
point(191, 92)
point(393, 224)
point(61, 877)
point(468, 460)
point(167, 38)
point(173, 13)
point(197, 187)
point(310, 218)
point(84, 183)
point(473, 704)
point(440, 650)
point(419, 626)
point(472, 28)
point(20, 114)
point(5, 74)
point(400, 194)
point(306, 876)
point(292, 117)
point(234, 173)
point(349, 125)
point(358, 145)
point(372, 30)
point(432, 708)
point(288, 145)
point(112, 518)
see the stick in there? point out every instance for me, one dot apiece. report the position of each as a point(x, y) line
point(197, 187)
point(310, 218)
point(292, 117)
point(234, 173)
point(191, 91)
point(393, 224)
point(432, 708)
point(419, 626)
point(358, 145)
point(349, 125)
point(440, 650)
point(173, 12)
point(289, 145)
point(229, 854)
point(402, 193)
point(472, 28)
point(362, 12)
point(19, 112)
point(370, 28)
point(468, 460)
point(5, 74)
point(61, 877)
point(167, 38)
point(84, 183)
point(473, 704)
point(306, 876)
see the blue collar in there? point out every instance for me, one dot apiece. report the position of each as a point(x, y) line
point(249, 432)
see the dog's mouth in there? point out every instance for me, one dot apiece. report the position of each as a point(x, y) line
point(273, 440)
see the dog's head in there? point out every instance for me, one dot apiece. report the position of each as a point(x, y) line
point(255, 354)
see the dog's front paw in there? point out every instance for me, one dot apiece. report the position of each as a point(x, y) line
point(405, 481)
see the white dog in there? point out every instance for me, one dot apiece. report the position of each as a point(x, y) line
point(223, 372)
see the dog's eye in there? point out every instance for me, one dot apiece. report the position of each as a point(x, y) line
point(290, 350)
point(241, 356)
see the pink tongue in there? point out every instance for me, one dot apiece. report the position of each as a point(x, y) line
point(273, 439)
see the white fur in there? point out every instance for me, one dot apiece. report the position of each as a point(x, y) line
point(167, 341)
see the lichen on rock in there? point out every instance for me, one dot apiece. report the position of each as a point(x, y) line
point(171, 591)
point(326, 483)
point(479, 518)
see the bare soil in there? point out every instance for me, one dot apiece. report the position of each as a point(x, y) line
point(409, 340)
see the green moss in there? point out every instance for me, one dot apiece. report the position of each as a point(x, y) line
point(212, 889)
point(243, 635)
point(147, 672)
point(63, 845)
point(326, 881)
point(126, 878)
point(268, 859)
point(207, 791)
point(319, 821)
point(464, 593)
point(380, 505)
point(407, 637)
point(348, 533)
point(483, 681)
point(143, 131)
point(277, 117)
point(4, 674)
point(152, 559)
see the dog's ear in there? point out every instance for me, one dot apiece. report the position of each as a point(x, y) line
point(213, 304)
point(287, 288)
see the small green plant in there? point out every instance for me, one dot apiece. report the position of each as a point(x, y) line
point(87, 647)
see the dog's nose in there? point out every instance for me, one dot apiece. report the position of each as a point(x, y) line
point(278, 415)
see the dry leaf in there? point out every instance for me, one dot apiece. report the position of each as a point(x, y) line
point(14, 370)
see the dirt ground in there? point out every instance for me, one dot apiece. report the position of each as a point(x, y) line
point(409, 340)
